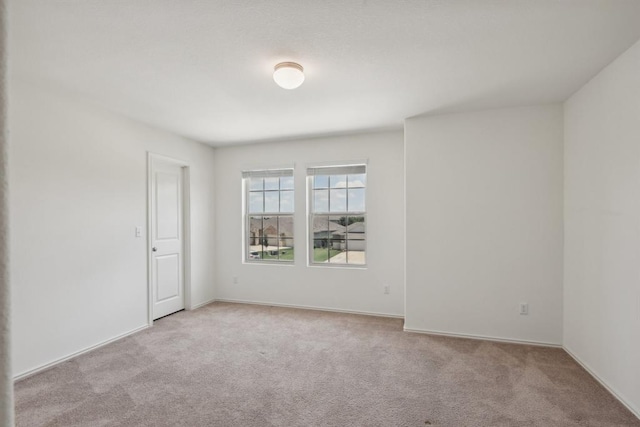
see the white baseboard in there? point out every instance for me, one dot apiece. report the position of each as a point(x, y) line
point(483, 338)
point(610, 388)
point(202, 304)
point(310, 307)
point(41, 368)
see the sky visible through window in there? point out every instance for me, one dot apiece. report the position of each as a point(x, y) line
point(339, 193)
point(271, 195)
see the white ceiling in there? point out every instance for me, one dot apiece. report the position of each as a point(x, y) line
point(202, 68)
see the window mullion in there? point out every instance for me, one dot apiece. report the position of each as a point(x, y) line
point(278, 236)
point(346, 185)
point(264, 196)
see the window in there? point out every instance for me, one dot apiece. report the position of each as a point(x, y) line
point(337, 220)
point(269, 215)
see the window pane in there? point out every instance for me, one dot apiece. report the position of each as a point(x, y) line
point(356, 252)
point(337, 248)
point(255, 183)
point(356, 235)
point(338, 200)
point(255, 237)
point(356, 200)
point(286, 201)
point(270, 238)
point(337, 227)
point(338, 181)
point(271, 183)
point(356, 225)
point(354, 245)
point(320, 227)
point(321, 200)
point(271, 253)
point(320, 243)
point(321, 181)
point(255, 230)
point(320, 250)
point(270, 230)
point(286, 183)
point(357, 181)
point(286, 250)
point(271, 201)
point(327, 230)
point(285, 227)
point(256, 202)
point(286, 244)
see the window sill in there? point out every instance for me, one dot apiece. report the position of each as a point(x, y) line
point(282, 263)
point(339, 266)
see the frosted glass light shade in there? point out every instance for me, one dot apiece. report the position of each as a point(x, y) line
point(288, 75)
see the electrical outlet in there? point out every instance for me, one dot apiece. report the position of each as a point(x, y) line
point(387, 289)
point(235, 280)
point(524, 308)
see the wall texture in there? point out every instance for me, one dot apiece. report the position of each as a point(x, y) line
point(6, 379)
point(602, 226)
point(298, 284)
point(78, 190)
point(484, 223)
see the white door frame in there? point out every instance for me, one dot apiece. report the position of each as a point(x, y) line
point(186, 224)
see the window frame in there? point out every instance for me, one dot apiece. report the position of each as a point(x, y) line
point(311, 214)
point(246, 188)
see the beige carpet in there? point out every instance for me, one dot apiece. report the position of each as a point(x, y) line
point(243, 365)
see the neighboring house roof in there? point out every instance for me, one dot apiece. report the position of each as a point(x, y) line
point(357, 228)
point(285, 226)
point(320, 224)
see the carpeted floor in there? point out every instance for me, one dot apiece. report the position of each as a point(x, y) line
point(242, 365)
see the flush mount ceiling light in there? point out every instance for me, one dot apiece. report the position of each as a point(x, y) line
point(288, 75)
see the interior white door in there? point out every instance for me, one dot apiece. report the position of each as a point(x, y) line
point(167, 236)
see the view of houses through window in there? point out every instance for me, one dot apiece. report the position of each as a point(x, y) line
point(337, 221)
point(338, 215)
point(270, 207)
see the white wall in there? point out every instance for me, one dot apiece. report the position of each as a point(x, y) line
point(78, 189)
point(6, 380)
point(484, 223)
point(602, 226)
point(334, 288)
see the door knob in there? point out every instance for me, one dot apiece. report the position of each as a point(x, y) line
point(154, 249)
